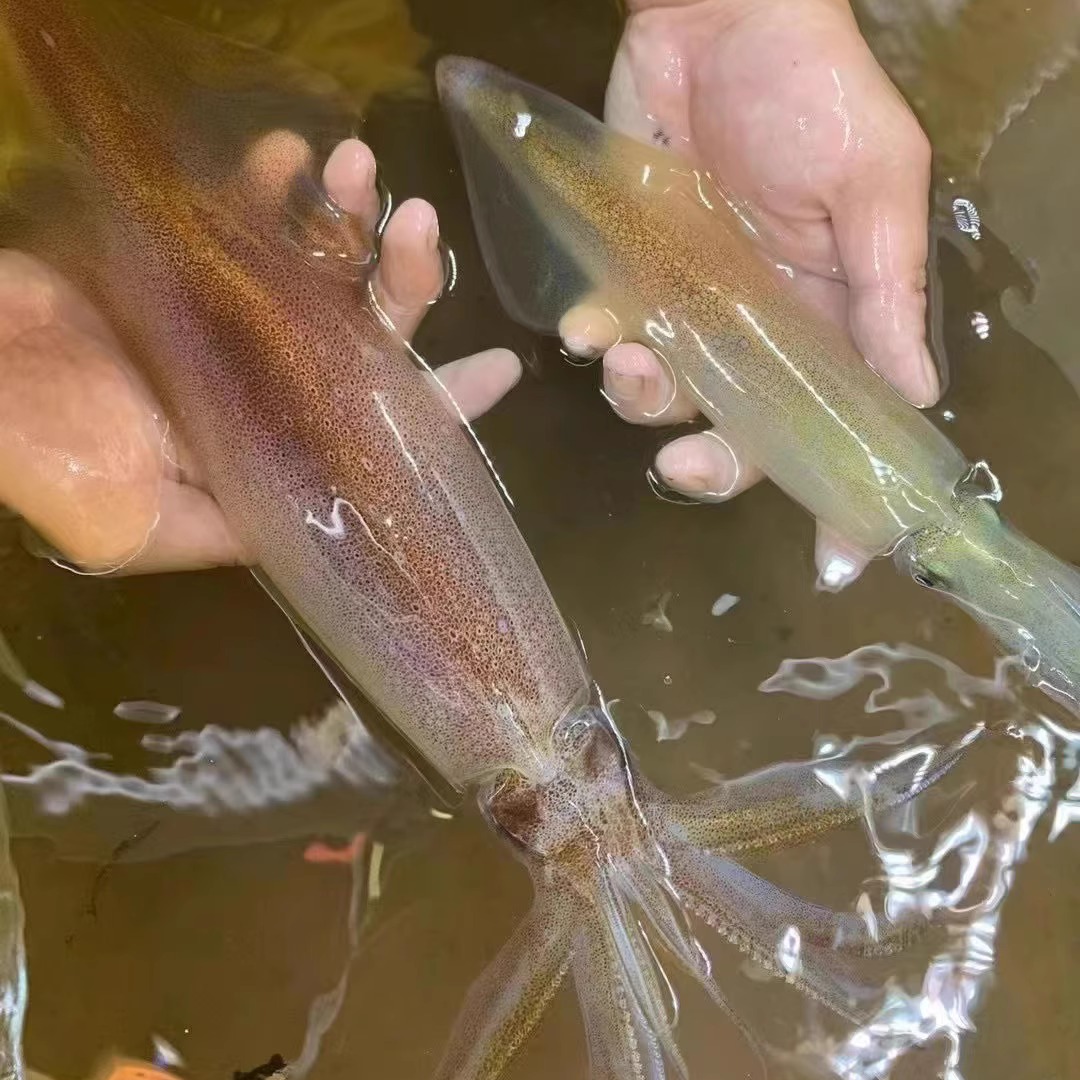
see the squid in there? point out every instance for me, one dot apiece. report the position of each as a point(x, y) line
point(569, 211)
point(380, 530)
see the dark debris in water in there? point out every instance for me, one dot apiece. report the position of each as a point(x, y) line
point(262, 1072)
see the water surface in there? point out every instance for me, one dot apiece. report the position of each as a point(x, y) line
point(221, 951)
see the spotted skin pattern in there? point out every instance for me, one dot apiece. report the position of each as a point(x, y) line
point(336, 462)
point(669, 255)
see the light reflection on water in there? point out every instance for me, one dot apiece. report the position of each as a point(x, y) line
point(956, 870)
point(988, 842)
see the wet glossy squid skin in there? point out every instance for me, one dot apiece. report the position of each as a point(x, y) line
point(342, 469)
point(568, 210)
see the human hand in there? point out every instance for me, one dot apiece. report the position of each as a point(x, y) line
point(86, 457)
point(782, 101)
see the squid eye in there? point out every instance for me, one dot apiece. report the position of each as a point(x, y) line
point(928, 580)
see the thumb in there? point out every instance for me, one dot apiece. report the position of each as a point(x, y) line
point(642, 98)
point(880, 215)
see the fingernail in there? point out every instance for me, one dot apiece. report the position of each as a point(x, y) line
point(716, 485)
point(580, 346)
point(622, 388)
point(837, 573)
point(587, 331)
point(724, 470)
point(695, 483)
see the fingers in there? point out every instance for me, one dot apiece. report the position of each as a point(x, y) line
point(641, 389)
point(410, 274)
point(646, 94)
point(191, 531)
point(349, 178)
point(271, 164)
point(705, 467)
point(476, 383)
point(81, 452)
point(191, 534)
point(80, 449)
point(880, 217)
point(587, 330)
point(838, 562)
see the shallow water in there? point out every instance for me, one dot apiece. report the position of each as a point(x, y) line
point(221, 951)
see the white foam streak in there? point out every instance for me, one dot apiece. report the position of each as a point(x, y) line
point(218, 770)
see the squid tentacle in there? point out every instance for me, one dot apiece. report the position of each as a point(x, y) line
point(512, 994)
point(618, 865)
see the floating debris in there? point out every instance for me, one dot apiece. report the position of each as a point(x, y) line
point(319, 853)
point(657, 616)
point(723, 604)
point(668, 730)
point(147, 712)
point(374, 880)
point(980, 323)
point(274, 1067)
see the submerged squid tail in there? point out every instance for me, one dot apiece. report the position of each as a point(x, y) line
point(621, 869)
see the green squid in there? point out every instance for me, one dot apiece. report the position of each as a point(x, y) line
point(569, 211)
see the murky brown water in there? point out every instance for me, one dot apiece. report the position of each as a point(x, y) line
point(220, 951)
